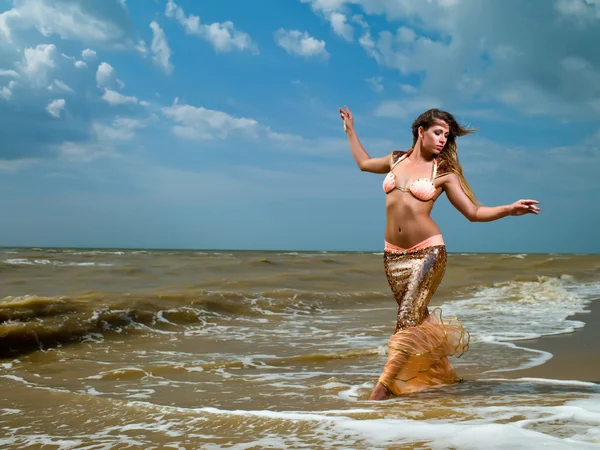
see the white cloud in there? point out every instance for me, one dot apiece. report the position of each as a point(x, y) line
point(76, 63)
point(201, 124)
point(141, 48)
point(55, 107)
point(375, 83)
point(482, 51)
point(85, 152)
point(9, 73)
point(205, 124)
point(408, 88)
point(37, 62)
point(582, 11)
point(5, 93)
point(341, 26)
point(114, 98)
point(119, 129)
point(160, 49)
point(300, 43)
point(57, 84)
point(16, 165)
point(332, 10)
point(5, 19)
point(224, 37)
point(104, 142)
point(106, 76)
point(407, 108)
point(326, 6)
point(89, 55)
point(67, 19)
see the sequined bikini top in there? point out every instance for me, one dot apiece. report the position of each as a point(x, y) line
point(422, 188)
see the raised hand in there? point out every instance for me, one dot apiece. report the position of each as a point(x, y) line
point(347, 118)
point(522, 207)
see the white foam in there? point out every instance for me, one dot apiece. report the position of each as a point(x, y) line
point(547, 381)
point(539, 358)
point(340, 428)
point(45, 262)
point(520, 310)
point(18, 261)
point(352, 394)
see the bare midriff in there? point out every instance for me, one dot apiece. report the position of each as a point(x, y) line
point(408, 219)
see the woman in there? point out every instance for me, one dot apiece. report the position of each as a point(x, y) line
point(415, 254)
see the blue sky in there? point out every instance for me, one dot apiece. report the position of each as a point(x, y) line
point(213, 124)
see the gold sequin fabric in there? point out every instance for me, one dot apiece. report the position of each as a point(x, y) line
point(419, 349)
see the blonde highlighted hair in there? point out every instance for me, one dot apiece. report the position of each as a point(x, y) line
point(449, 154)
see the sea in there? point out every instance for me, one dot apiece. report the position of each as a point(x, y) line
point(173, 349)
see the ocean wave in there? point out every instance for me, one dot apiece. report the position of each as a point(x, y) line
point(44, 262)
point(523, 308)
point(33, 322)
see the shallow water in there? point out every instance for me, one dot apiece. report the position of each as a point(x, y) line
point(188, 349)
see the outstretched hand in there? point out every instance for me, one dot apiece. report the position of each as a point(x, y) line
point(347, 118)
point(522, 207)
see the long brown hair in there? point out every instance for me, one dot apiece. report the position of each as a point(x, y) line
point(450, 154)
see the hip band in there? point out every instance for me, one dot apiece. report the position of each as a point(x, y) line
point(429, 242)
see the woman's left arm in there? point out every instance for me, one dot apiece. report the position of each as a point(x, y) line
point(478, 213)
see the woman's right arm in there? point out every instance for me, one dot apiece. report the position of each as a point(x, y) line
point(362, 158)
point(360, 155)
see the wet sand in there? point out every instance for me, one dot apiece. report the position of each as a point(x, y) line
point(575, 354)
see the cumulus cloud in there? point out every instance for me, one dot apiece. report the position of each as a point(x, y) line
point(198, 123)
point(224, 37)
point(341, 26)
point(161, 53)
point(55, 107)
point(332, 10)
point(202, 124)
point(89, 55)
point(76, 63)
point(69, 19)
point(106, 76)
point(300, 43)
point(484, 51)
point(114, 98)
point(38, 61)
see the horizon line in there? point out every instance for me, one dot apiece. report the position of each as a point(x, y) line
point(270, 250)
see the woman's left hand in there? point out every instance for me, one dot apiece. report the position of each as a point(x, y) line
point(524, 207)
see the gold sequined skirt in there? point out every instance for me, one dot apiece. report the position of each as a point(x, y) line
point(419, 349)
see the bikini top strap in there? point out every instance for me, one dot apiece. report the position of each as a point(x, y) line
point(396, 157)
point(434, 169)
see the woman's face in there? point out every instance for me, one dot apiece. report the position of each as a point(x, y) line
point(434, 139)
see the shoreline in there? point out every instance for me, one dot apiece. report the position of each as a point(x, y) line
point(575, 355)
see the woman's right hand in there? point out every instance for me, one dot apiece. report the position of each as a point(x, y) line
point(347, 119)
point(522, 207)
